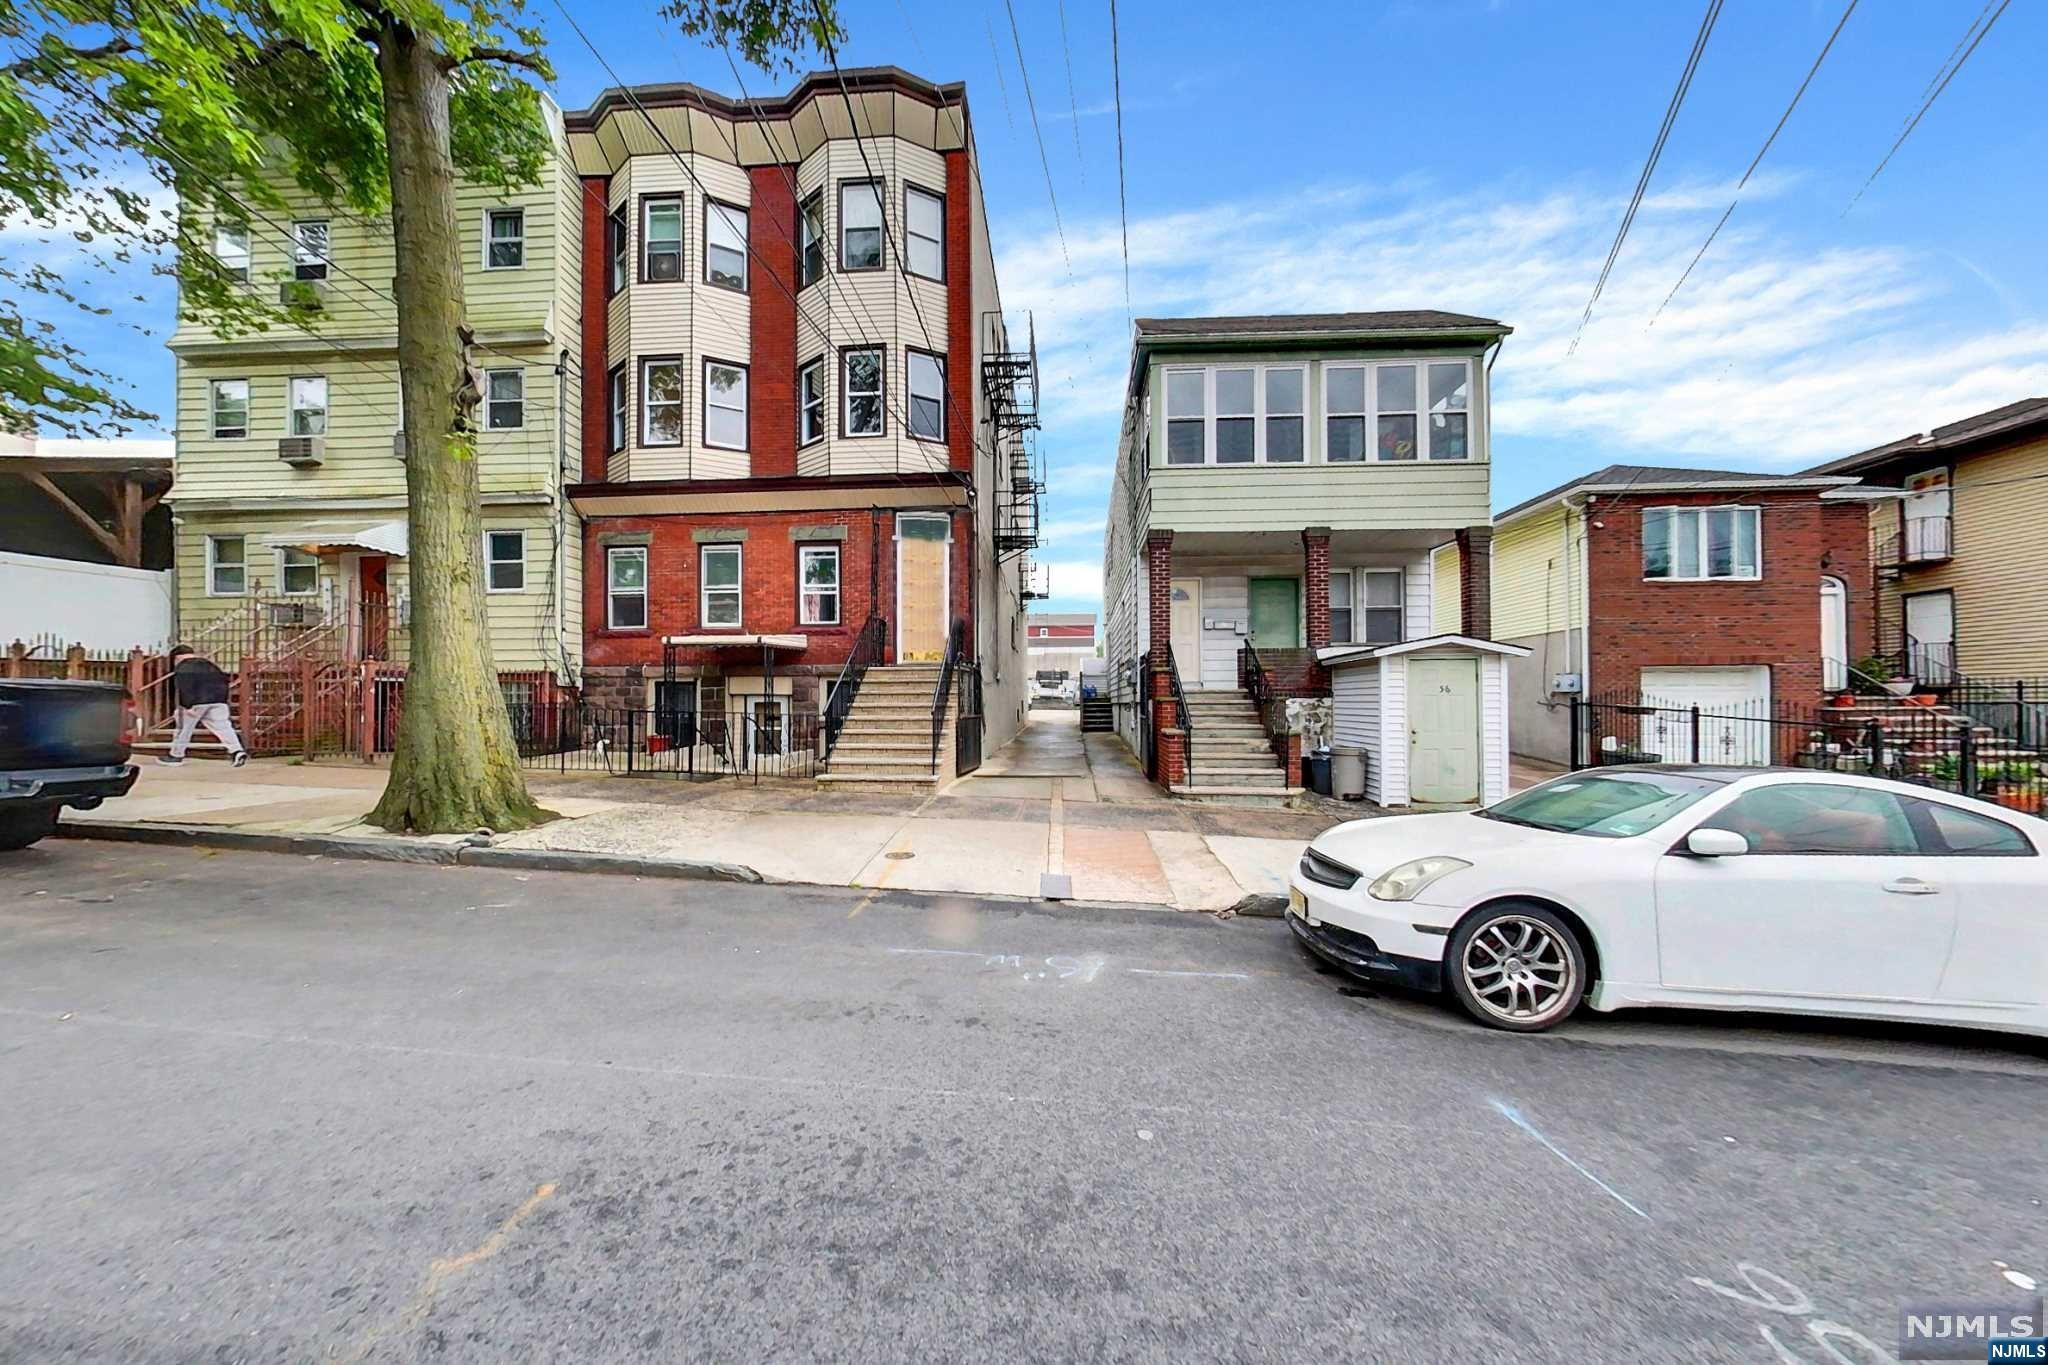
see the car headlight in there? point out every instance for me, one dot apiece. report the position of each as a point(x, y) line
point(1406, 882)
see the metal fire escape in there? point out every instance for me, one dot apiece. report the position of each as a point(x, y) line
point(1009, 388)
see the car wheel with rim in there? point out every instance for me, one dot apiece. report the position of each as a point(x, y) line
point(1516, 966)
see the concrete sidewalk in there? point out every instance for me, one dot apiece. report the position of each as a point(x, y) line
point(1052, 804)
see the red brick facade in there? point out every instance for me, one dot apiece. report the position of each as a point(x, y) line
point(596, 396)
point(960, 319)
point(1475, 583)
point(1315, 548)
point(1774, 620)
point(771, 299)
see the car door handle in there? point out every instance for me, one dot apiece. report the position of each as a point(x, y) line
point(1911, 886)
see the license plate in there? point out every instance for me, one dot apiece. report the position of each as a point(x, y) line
point(1296, 902)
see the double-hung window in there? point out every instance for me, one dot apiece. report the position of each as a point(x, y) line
point(810, 398)
point(298, 572)
point(504, 239)
point(661, 239)
point(1344, 408)
point(625, 580)
point(1341, 607)
point(725, 405)
point(230, 404)
point(226, 567)
point(1702, 542)
point(661, 402)
point(231, 249)
point(860, 381)
point(308, 394)
point(725, 245)
point(615, 250)
point(718, 586)
point(1397, 430)
point(1281, 434)
point(811, 230)
point(504, 399)
point(615, 397)
point(311, 249)
point(860, 225)
point(1186, 417)
point(924, 233)
point(818, 576)
point(1380, 604)
point(1450, 400)
point(1236, 424)
point(504, 561)
point(927, 396)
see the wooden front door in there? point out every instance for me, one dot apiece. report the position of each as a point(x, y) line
point(1276, 613)
point(1443, 730)
point(921, 572)
point(373, 593)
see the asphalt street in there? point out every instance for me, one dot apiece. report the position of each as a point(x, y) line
point(269, 1108)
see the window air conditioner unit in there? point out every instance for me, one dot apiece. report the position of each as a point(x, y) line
point(302, 452)
point(294, 613)
point(307, 294)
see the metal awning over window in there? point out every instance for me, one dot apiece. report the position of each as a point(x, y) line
point(382, 537)
point(735, 641)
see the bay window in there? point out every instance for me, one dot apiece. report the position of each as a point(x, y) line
point(725, 245)
point(924, 233)
point(661, 402)
point(615, 397)
point(725, 405)
point(860, 225)
point(860, 380)
point(661, 240)
point(811, 230)
point(615, 247)
point(927, 396)
point(1702, 542)
point(810, 398)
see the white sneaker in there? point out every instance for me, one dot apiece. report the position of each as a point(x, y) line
point(241, 757)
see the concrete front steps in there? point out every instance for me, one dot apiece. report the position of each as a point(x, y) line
point(1926, 733)
point(1234, 763)
point(886, 745)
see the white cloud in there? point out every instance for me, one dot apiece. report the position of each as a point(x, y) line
point(1056, 529)
point(1071, 580)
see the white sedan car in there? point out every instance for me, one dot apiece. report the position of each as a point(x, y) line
point(1710, 888)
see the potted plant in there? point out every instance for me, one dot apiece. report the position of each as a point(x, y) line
point(1874, 676)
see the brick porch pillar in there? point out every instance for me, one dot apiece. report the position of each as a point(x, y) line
point(1159, 688)
point(1475, 582)
point(1315, 581)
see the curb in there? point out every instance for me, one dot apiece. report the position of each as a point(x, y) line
point(396, 851)
point(1261, 905)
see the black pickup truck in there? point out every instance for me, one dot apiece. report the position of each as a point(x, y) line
point(61, 744)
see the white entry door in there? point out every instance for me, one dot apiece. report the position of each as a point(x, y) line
point(1931, 637)
point(1834, 634)
point(1724, 695)
point(1443, 730)
point(1187, 631)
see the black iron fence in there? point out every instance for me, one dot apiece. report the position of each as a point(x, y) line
point(1933, 744)
point(750, 738)
point(968, 722)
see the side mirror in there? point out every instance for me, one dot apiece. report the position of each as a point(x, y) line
point(1716, 843)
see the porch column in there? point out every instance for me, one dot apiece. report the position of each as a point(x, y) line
point(1315, 581)
point(1475, 582)
point(1163, 715)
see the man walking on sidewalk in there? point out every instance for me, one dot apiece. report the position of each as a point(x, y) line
point(201, 692)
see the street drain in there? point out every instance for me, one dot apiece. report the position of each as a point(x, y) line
point(900, 854)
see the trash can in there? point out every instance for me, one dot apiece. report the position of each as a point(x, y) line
point(1315, 767)
point(1347, 772)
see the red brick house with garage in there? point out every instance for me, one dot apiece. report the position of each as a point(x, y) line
point(803, 421)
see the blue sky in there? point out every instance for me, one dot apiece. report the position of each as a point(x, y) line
point(1477, 156)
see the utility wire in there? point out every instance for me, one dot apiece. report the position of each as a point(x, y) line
point(1123, 213)
point(1032, 105)
point(1073, 105)
point(1928, 103)
point(1692, 62)
point(996, 57)
point(1754, 163)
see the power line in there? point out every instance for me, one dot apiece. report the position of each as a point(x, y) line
point(1692, 62)
point(1928, 103)
point(1754, 163)
point(1123, 213)
point(1073, 106)
point(995, 55)
point(1032, 105)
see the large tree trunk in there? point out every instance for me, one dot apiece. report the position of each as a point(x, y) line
point(455, 767)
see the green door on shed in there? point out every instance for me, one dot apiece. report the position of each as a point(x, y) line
point(1276, 613)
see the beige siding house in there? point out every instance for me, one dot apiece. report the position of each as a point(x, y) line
point(290, 494)
point(1287, 485)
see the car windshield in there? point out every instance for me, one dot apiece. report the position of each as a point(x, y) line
point(1610, 805)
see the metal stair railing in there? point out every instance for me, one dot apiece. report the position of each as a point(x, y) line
point(868, 647)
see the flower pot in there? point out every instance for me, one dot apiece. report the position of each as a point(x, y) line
point(1845, 699)
point(1899, 687)
point(1923, 699)
point(2026, 800)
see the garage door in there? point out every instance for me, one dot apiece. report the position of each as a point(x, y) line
point(1733, 704)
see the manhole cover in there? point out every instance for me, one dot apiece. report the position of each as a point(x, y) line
point(900, 854)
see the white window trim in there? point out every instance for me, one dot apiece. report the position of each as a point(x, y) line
point(213, 409)
point(746, 423)
point(618, 254)
point(910, 358)
point(1311, 447)
point(519, 209)
point(492, 374)
point(824, 403)
point(647, 405)
point(324, 259)
point(213, 563)
point(1259, 402)
point(1320, 453)
point(1359, 574)
point(704, 589)
point(1754, 512)
point(292, 408)
point(646, 252)
point(911, 234)
point(489, 587)
point(618, 417)
point(240, 232)
point(881, 228)
point(715, 208)
point(612, 553)
point(846, 394)
point(284, 587)
point(803, 555)
point(804, 239)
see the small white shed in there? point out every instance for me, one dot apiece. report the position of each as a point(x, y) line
point(1431, 716)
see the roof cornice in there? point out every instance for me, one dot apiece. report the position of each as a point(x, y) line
point(818, 84)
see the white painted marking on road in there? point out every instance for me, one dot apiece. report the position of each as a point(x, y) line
point(1514, 1116)
point(1160, 971)
point(2018, 1278)
point(1144, 1135)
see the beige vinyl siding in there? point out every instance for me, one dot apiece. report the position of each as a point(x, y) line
point(1344, 497)
point(1446, 598)
point(2000, 505)
point(1537, 584)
